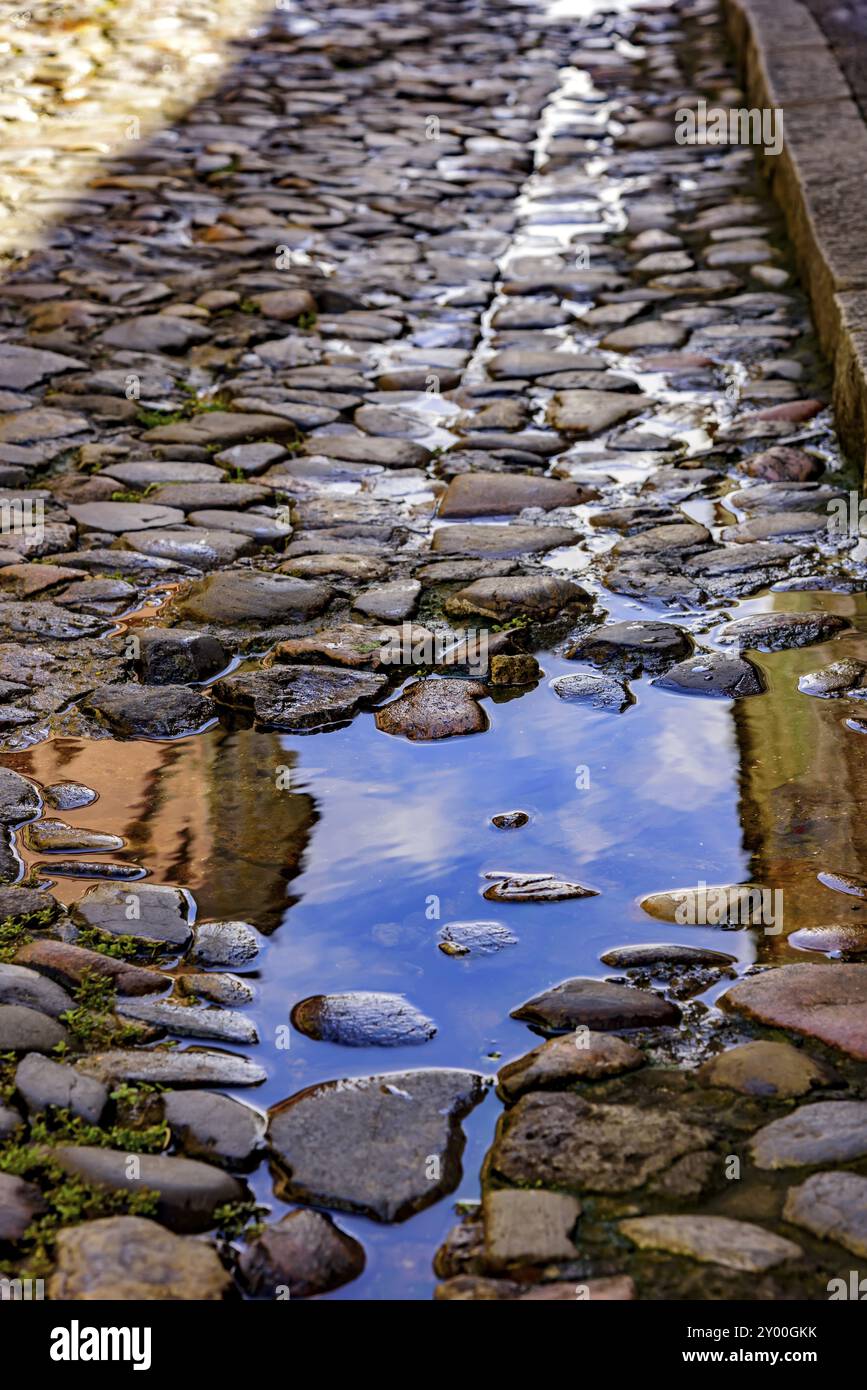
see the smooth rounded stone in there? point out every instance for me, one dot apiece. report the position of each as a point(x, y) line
point(365, 448)
point(506, 494)
point(533, 888)
point(653, 334)
point(538, 596)
point(590, 688)
point(595, 1004)
point(521, 364)
point(68, 796)
point(832, 1206)
point(47, 836)
point(389, 602)
point(718, 1240)
point(20, 985)
point(664, 541)
point(837, 939)
point(558, 1139)
point(19, 799)
point(767, 1069)
point(711, 673)
point(361, 568)
point(474, 938)
point(220, 427)
point(24, 1029)
point(285, 305)
point(215, 1128)
point(501, 540)
point(148, 912)
point(578, 1056)
point(249, 459)
point(591, 412)
point(224, 943)
point(20, 1202)
point(194, 1067)
point(781, 464)
point(132, 1259)
point(214, 1024)
point(666, 954)
point(841, 678)
point(49, 621)
point(246, 596)
point(145, 472)
point(528, 1227)
point(433, 709)
point(716, 905)
point(303, 1252)
point(510, 820)
point(631, 648)
point(176, 656)
point(365, 1144)
point(188, 1192)
point(41, 425)
point(828, 1131)
point(118, 517)
point(41, 1083)
point(828, 1004)
point(773, 632)
point(417, 379)
point(297, 696)
point(69, 965)
point(194, 547)
point(143, 711)
point(362, 1018)
point(217, 987)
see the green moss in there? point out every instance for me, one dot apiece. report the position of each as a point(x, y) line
point(236, 1218)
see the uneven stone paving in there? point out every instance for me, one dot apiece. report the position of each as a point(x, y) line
point(422, 314)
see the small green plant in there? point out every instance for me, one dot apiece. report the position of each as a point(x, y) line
point(233, 1219)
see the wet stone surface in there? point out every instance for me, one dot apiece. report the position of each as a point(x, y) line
point(404, 379)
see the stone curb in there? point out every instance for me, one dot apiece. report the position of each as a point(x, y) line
point(820, 182)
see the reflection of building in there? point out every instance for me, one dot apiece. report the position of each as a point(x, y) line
point(205, 813)
point(803, 776)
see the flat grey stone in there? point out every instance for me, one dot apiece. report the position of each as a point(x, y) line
point(474, 938)
point(833, 1206)
point(193, 547)
point(528, 1227)
point(42, 1083)
point(26, 1030)
point(827, 1131)
point(633, 647)
point(118, 517)
point(18, 985)
point(366, 1144)
point(20, 1202)
point(217, 1025)
point(193, 1067)
point(149, 912)
point(21, 367)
